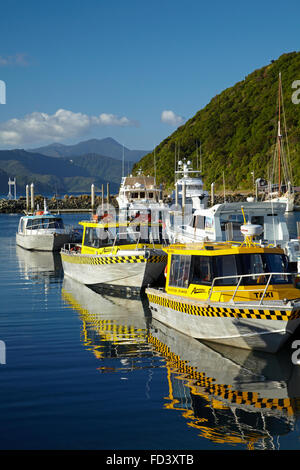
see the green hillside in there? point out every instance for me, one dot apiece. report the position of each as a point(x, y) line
point(237, 130)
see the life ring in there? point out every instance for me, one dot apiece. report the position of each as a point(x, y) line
point(107, 218)
point(39, 213)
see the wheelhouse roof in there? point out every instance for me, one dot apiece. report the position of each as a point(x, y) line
point(216, 249)
point(261, 208)
point(42, 216)
point(88, 223)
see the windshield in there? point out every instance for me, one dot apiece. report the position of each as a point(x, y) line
point(203, 269)
point(44, 223)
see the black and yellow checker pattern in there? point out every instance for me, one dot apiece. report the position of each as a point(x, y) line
point(197, 379)
point(212, 311)
point(115, 259)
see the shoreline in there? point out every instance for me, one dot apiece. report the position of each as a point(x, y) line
point(83, 202)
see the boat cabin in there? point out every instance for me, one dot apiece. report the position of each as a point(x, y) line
point(138, 189)
point(102, 237)
point(33, 224)
point(222, 222)
point(226, 271)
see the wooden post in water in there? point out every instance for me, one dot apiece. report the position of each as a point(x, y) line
point(298, 230)
point(27, 198)
point(32, 197)
point(212, 192)
point(176, 195)
point(92, 197)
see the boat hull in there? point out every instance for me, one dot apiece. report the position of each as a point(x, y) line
point(43, 242)
point(258, 328)
point(126, 270)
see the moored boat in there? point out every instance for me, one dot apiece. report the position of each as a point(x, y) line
point(222, 222)
point(42, 231)
point(237, 294)
point(126, 256)
point(283, 191)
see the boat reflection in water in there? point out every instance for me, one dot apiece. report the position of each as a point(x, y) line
point(36, 265)
point(228, 395)
point(113, 327)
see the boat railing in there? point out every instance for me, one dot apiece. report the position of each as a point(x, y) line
point(240, 278)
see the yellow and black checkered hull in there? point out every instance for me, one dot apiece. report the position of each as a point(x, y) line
point(211, 383)
point(131, 269)
point(250, 326)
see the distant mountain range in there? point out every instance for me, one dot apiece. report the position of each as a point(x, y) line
point(108, 147)
point(59, 168)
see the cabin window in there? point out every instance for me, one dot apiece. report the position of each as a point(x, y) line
point(29, 224)
point(22, 224)
point(199, 222)
point(209, 223)
point(253, 264)
point(53, 223)
point(261, 263)
point(201, 270)
point(265, 263)
point(180, 270)
point(225, 266)
point(150, 195)
point(96, 237)
point(278, 264)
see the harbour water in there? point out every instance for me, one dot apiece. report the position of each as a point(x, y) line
point(81, 370)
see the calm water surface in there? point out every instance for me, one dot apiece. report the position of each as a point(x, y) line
point(91, 371)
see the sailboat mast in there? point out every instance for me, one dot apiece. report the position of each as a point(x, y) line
point(279, 137)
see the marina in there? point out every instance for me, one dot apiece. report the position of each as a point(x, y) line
point(77, 360)
point(149, 231)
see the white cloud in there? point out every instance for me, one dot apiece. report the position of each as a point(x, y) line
point(16, 59)
point(42, 127)
point(169, 117)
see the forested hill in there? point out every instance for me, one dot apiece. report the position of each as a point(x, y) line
point(237, 130)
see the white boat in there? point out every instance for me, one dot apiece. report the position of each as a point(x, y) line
point(139, 191)
point(189, 186)
point(282, 190)
point(222, 222)
point(42, 231)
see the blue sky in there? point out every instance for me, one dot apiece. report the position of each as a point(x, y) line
point(75, 70)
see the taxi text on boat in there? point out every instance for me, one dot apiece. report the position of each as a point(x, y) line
point(234, 293)
point(126, 256)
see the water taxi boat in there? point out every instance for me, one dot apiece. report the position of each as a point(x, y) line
point(42, 231)
point(237, 294)
point(126, 256)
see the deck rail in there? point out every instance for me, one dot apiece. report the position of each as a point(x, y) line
point(240, 277)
